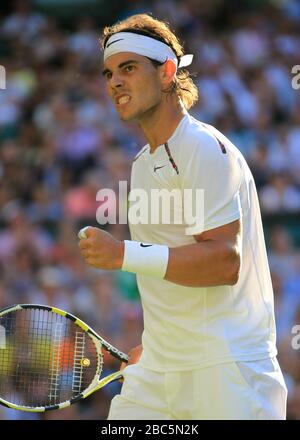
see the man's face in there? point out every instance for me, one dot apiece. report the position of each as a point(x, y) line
point(133, 83)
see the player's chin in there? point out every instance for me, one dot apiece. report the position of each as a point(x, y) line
point(128, 113)
point(127, 117)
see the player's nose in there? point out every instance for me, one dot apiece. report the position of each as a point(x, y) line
point(116, 81)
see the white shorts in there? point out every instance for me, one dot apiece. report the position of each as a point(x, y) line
point(233, 391)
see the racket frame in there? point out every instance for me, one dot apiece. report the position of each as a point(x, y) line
point(99, 342)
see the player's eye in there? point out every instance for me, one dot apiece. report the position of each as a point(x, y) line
point(129, 68)
point(108, 75)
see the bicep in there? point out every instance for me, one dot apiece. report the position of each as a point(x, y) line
point(230, 233)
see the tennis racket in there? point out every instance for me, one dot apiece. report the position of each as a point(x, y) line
point(49, 359)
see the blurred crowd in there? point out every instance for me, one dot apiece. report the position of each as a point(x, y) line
point(61, 141)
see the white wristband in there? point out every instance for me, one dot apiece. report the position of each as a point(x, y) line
point(145, 259)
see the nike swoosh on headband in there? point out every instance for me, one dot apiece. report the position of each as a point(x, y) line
point(145, 46)
point(115, 41)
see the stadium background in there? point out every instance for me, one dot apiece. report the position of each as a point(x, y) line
point(61, 141)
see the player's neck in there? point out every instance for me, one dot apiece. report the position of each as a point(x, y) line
point(161, 124)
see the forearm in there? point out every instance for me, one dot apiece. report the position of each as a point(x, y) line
point(208, 263)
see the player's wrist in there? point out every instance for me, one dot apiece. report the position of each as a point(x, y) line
point(119, 255)
point(145, 259)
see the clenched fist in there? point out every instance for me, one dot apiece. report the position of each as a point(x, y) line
point(100, 249)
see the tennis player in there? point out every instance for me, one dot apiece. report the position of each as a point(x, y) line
point(209, 343)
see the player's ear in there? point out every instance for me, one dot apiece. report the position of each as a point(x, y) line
point(168, 72)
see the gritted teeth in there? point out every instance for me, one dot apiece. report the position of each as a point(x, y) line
point(123, 99)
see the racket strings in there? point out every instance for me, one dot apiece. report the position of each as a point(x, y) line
point(55, 364)
point(46, 358)
point(78, 361)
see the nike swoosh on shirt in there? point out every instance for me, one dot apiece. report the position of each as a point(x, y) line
point(109, 44)
point(158, 168)
point(145, 245)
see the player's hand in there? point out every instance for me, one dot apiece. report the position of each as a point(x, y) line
point(134, 356)
point(100, 249)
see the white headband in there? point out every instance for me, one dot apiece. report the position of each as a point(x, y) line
point(145, 46)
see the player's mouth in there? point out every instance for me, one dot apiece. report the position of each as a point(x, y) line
point(122, 100)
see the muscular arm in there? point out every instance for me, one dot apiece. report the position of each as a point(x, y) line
point(214, 260)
